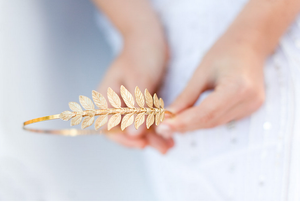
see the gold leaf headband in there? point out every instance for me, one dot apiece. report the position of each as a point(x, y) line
point(155, 112)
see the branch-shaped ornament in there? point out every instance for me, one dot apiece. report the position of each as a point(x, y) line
point(154, 111)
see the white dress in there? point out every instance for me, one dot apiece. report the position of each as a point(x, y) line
point(257, 158)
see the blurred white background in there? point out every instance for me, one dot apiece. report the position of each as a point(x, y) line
point(51, 51)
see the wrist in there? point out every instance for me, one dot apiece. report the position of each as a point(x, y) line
point(151, 45)
point(152, 36)
point(261, 24)
point(251, 39)
point(146, 56)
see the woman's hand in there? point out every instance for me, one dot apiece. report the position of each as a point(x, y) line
point(233, 67)
point(141, 63)
point(234, 70)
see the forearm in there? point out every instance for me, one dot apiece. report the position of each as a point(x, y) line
point(131, 17)
point(262, 22)
point(140, 28)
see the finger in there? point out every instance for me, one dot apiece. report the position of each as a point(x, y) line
point(159, 143)
point(241, 110)
point(234, 113)
point(204, 115)
point(198, 84)
point(127, 141)
point(136, 133)
point(115, 83)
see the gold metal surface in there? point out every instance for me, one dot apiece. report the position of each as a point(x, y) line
point(154, 113)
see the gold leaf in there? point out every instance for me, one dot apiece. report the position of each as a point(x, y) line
point(114, 121)
point(75, 107)
point(157, 118)
point(139, 120)
point(162, 104)
point(101, 120)
point(99, 100)
point(150, 120)
point(87, 122)
point(156, 101)
point(127, 120)
point(139, 97)
point(86, 102)
point(127, 97)
point(149, 99)
point(66, 115)
point(162, 116)
point(76, 120)
point(113, 98)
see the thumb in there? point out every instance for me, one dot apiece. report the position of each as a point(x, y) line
point(198, 84)
point(206, 115)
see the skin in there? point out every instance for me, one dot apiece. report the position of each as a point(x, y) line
point(232, 68)
point(141, 63)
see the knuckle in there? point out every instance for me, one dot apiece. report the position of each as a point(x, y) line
point(180, 127)
point(241, 86)
point(211, 125)
point(207, 121)
point(258, 100)
point(245, 89)
point(251, 92)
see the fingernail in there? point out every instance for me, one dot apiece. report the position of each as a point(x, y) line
point(132, 131)
point(164, 130)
